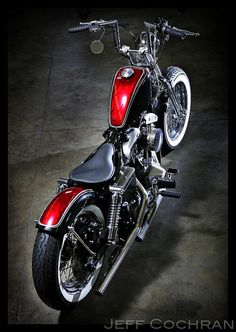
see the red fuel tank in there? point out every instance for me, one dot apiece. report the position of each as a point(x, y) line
point(126, 83)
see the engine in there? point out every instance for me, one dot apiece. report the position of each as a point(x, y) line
point(150, 137)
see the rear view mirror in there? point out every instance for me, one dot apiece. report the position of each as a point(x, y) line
point(96, 46)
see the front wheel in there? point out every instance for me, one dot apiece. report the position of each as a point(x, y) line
point(175, 126)
point(64, 271)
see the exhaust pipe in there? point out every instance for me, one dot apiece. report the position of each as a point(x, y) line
point(117, 263)
point(110, 274)
point(143, 231)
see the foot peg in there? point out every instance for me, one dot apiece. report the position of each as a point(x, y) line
point(165, 183)
point(173, 194)
point(173, 171)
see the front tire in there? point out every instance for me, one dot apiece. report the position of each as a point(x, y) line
point(174, 127)
point(61, 272)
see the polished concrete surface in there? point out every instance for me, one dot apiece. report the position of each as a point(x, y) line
point(58, 108)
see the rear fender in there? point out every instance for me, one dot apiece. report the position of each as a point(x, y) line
point(63, 206)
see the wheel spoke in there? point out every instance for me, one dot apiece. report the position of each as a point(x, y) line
point(175, 124)
point(74, 271)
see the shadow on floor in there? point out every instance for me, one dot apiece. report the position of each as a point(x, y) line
point(144, 263)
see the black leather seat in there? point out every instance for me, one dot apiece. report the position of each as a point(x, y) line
point(98, 168)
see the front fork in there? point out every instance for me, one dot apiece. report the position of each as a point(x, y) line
point(171, 94)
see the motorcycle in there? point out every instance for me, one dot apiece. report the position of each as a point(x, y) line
point(110, 199)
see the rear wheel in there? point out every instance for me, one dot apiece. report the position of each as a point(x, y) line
point(174, 126)
point(64, 270)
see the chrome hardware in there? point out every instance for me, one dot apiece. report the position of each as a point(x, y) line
point(124, 176)
point(61, 184)
point(132, 134)
point(150, 118)
point(113, 217)
point(124, 49)
point(156, 168)
point(128, 243)
point(154, 135)
point(127, 72)
point(143, 231)
point(71, 228)
point(155, 138)
point(117, 190)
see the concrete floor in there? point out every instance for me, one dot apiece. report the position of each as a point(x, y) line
point(58, 108)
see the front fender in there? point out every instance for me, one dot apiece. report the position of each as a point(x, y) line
point(62, 205)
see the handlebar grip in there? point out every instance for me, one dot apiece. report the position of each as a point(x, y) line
point(174, 32)
point(79, 28)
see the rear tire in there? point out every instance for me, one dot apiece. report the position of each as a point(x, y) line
point(175, 128)
point(53, 255)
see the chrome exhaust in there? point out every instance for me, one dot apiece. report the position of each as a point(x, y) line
point(110, 274)
point(143, 231)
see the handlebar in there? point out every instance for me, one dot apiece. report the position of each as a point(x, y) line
point(160, 25)
point(94, 26)
point(98, 25)
point(79, 28)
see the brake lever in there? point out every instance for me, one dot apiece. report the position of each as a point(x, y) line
point(93, 26)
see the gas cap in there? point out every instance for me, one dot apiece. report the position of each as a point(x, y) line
point(127, 72)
